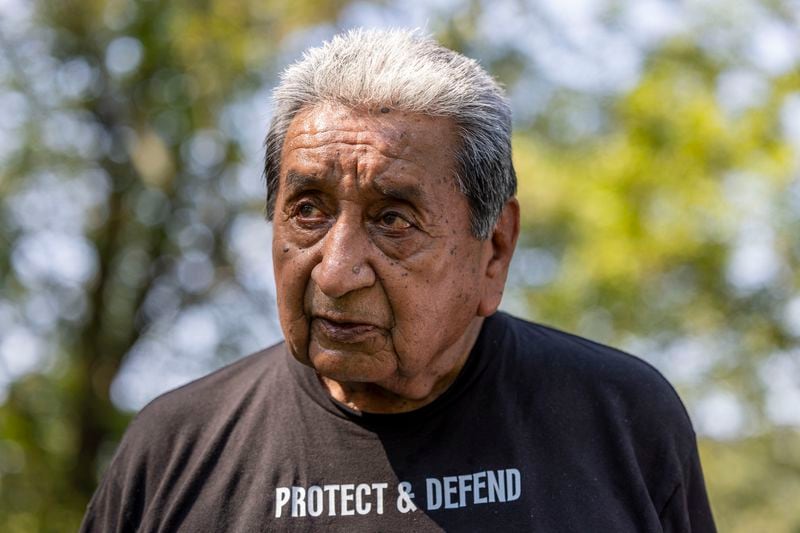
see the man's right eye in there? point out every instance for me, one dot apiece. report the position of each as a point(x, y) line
point(308, 215)
point(307, 211)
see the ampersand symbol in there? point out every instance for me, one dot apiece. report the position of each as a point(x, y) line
point(405, 501)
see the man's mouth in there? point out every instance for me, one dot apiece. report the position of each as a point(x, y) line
point(344, 331)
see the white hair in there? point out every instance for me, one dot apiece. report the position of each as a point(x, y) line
point(407, 71)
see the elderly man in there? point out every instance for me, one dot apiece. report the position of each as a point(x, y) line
point(400, 399)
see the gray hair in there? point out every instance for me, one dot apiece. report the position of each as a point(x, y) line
point(408, 71)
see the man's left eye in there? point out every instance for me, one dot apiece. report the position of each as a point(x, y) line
point(393, 220)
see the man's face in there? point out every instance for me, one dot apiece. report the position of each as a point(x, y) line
point(379, 278)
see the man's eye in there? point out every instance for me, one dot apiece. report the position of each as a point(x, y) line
point(394, 221)
point(307, 210)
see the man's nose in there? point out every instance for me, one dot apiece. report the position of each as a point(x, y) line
point(344, 267)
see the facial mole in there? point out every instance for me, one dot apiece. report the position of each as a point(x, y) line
point(385, 110)
point(285, 249)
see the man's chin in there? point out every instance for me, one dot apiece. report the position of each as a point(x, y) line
point(351, 366)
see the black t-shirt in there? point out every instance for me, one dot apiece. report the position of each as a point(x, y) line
point(541, 431)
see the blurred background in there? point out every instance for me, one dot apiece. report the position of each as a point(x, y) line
point(658, 150)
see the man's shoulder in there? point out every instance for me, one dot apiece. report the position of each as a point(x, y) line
point(540, 344)
point(600, 407)
point(181, 431)
point(571, 367)
point(216, 395)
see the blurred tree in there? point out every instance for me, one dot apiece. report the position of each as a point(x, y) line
point(118, 202)
point(673, 234)
point(672, 237)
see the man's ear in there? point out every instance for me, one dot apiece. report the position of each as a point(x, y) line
point(501, 246)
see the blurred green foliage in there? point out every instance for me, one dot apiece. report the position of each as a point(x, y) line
point(656, 218)
point(136, 86)
point(643, 220)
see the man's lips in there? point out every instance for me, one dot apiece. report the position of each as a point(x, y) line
point(344, 331)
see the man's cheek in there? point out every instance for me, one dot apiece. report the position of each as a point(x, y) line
point(297, 331)
point(289, 287)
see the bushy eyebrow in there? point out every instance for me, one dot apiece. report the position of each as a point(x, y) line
point(411, 194)
point(407, 193)
point(298, 182)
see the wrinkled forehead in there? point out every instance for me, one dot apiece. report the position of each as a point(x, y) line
point(392, 133)
point(330, 123)
point(402, 155)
